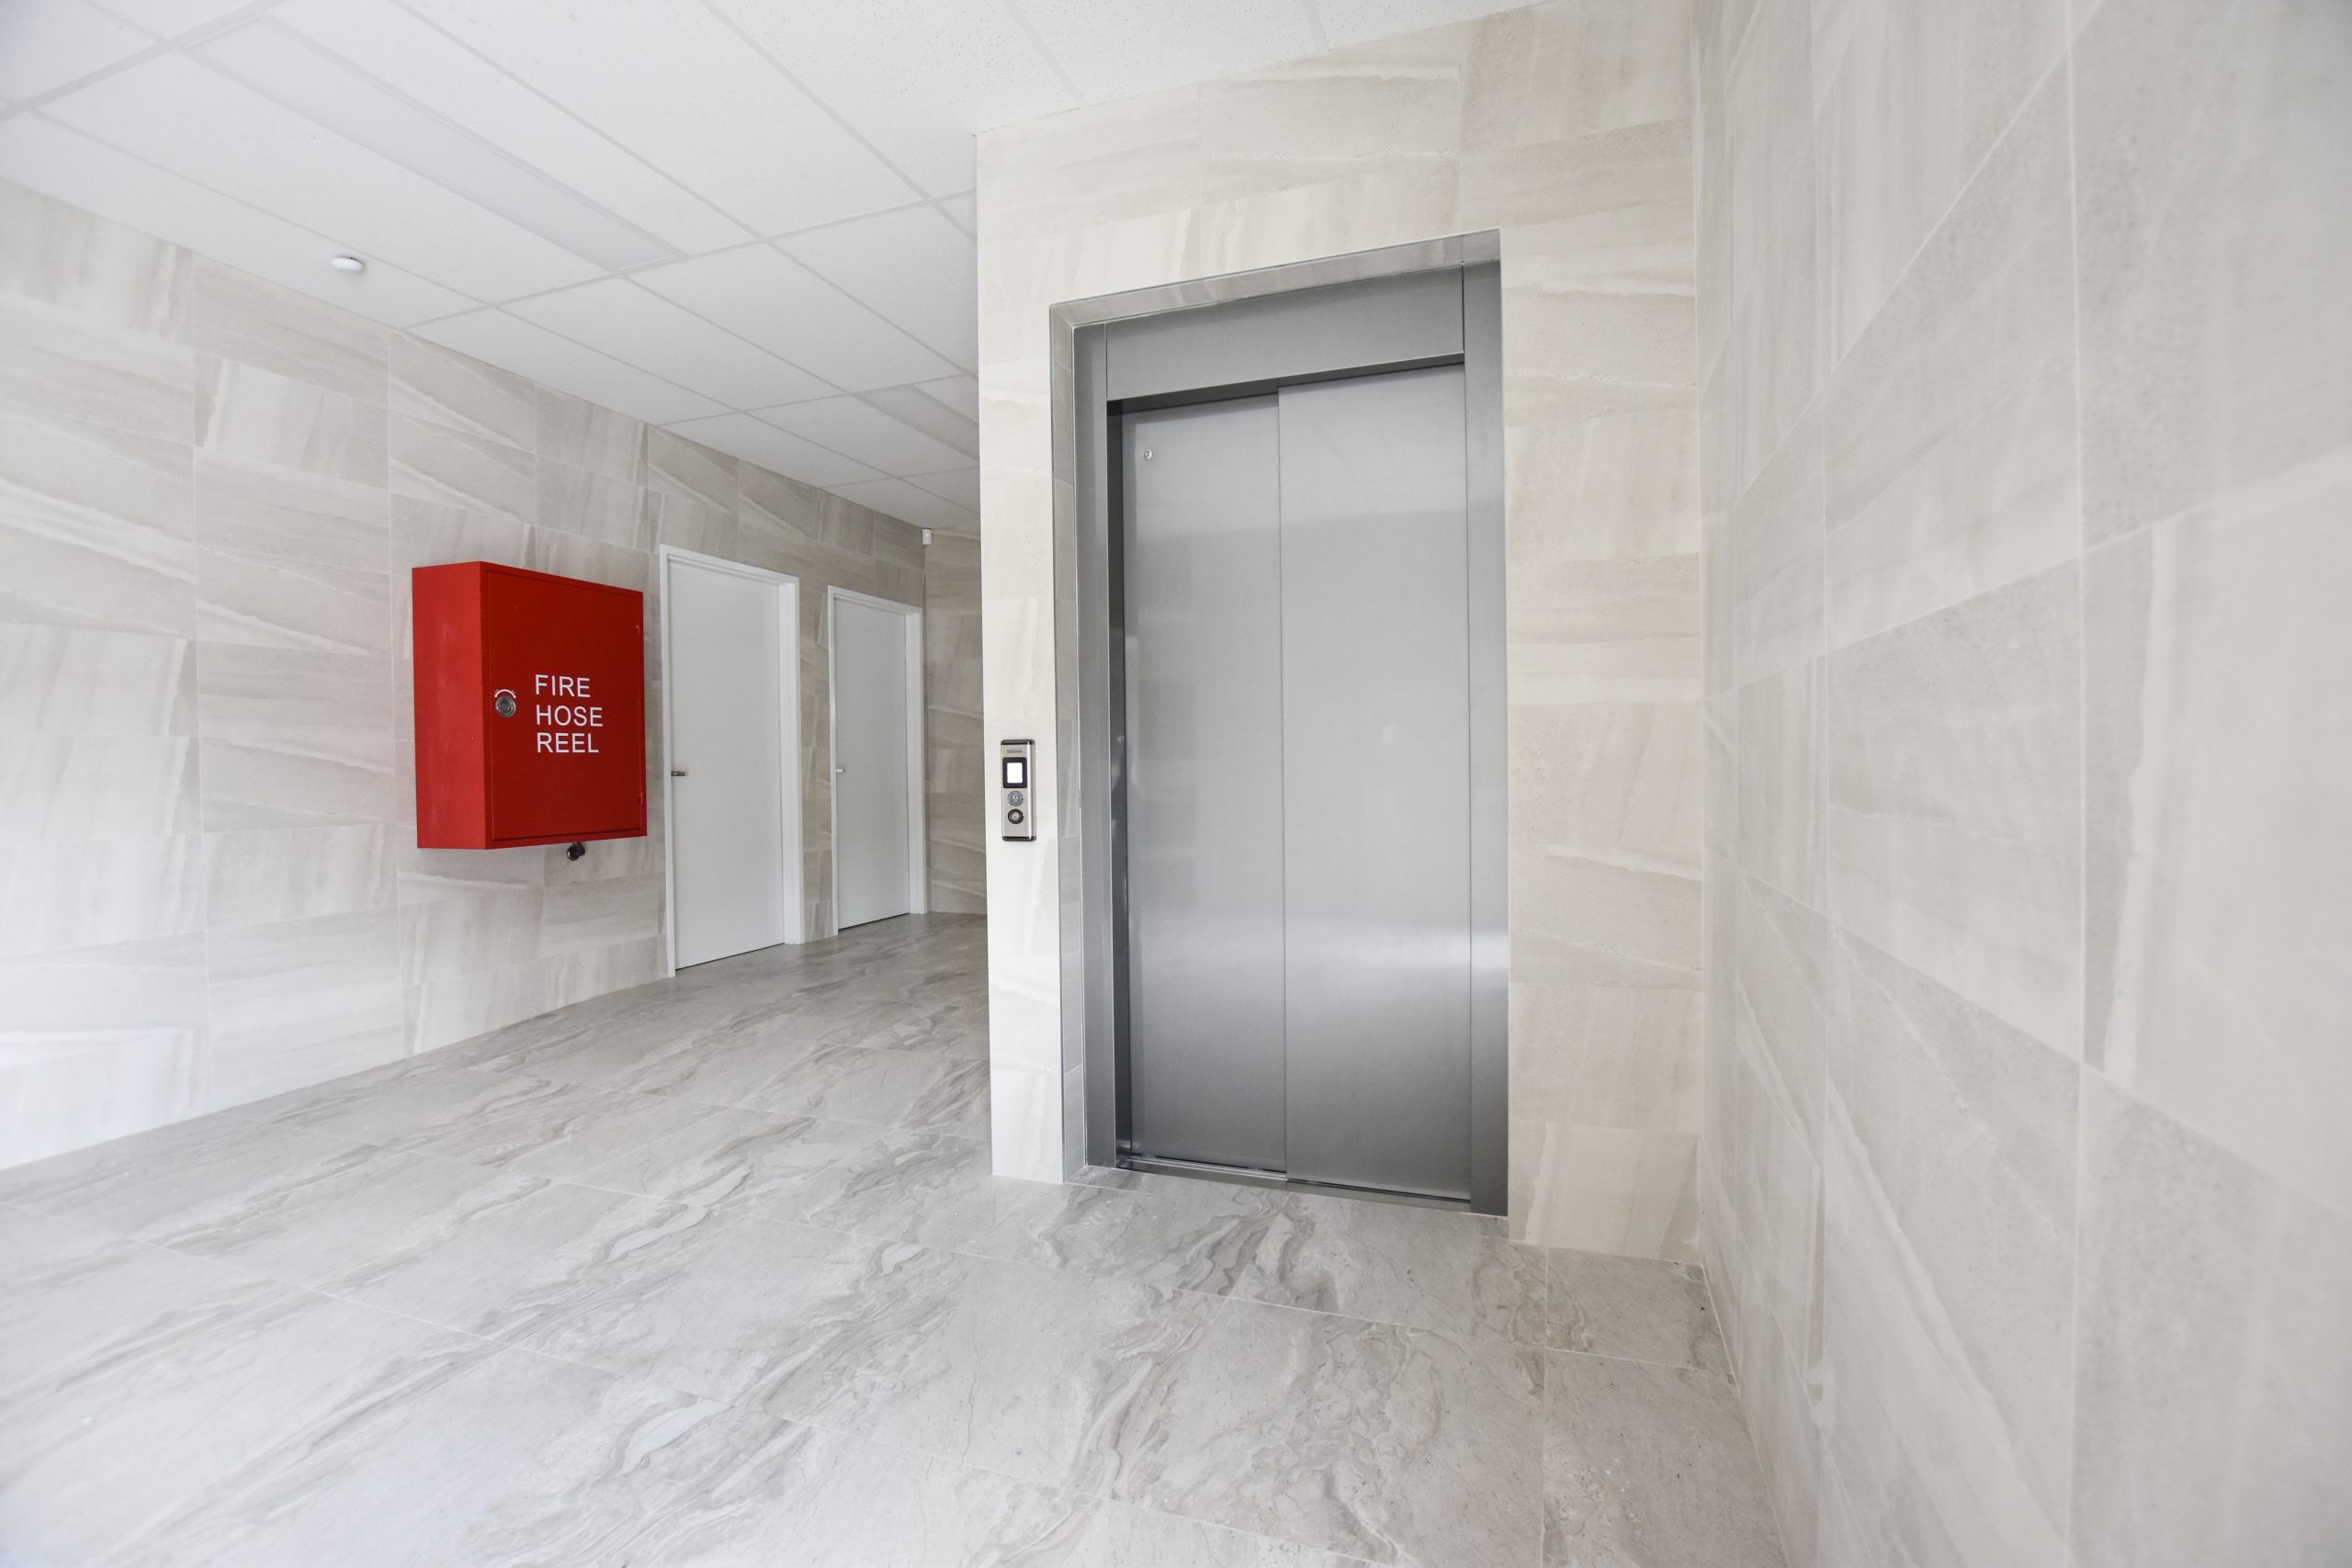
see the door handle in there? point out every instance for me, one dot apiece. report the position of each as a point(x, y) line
point(840, 770)
point(677, 772)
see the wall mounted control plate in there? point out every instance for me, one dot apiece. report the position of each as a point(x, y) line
point(1016, 789)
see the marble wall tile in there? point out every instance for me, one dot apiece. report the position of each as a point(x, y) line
point(1134, 157)
point(95, 525)
point(2216, 869)
point(955, 766)
point(102, 1042)
point(93, 892)
point(1921, 1446)
point(1951, 422)
point(579, 915)
point(1967, 1127)
point(1787, 998)
point(1556, 73)
point(60, 255)
point(271, 602)
point(58, 681)
point(581, 501)
point(438, 463)
point(689, 472)
point(258, 508)
point(242, 411)
point(1909, 99)
point(1605, 917)
point(293, 739)
point(58, 363)
point(1778, 596)
point(440, 386)
point(55, 788)
point(2217, 341)
point(1603, 631)
point(1783, 833)
point(1621, 1189)
point(1369, 110)
point(1617, 774)
point(1775, 312)
point(1613, 1057)
point(270, 875)
point(1623, 484)
point(238, 316)
point(572, 430)
point(1952, 766)
point(295, 1003)
point(2213, 1381)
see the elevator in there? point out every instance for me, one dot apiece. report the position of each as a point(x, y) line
point(1300, 738)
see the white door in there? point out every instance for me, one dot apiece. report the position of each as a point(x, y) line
point(877, 798)
point(734, 864)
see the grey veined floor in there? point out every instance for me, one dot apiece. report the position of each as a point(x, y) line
point(713, 1271)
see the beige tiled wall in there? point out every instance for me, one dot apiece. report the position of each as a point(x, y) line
point(212, 489)
point(2027, 459)
point(1565, 129)
point(955, 768)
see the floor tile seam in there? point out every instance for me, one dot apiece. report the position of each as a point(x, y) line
point(1722, 1377)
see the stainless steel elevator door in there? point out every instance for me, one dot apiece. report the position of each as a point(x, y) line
point(1202, 615)
point(1376, 682)
point(1297, 810)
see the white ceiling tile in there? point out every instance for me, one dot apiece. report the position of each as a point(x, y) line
point(670, 81)
point(776, 450)
point(1112, 50)
point(897, 498)
point(170, 18)
point(315, 82)
point(773, 300)
point(961, 486)
point(961, 393)
point(915, 77)
point(1347, 22)
point(964, 211)
point(859, 430)
point(929, 416)
point(196, 122)
point(46, 43)
point(70, 167)
point(913, 267)
point(411, 54)
point(640, 328)
point(511, 344)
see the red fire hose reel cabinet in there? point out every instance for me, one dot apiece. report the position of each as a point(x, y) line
point(530, 708)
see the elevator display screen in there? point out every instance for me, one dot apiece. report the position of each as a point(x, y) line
point(1016, 772)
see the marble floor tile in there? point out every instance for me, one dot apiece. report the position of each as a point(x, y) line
point(560, 1295)
point(1397, 1445)
point(1650, 1467)
point(1638, 1308)
point(1035, 1372)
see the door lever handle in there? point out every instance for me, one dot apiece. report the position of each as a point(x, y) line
point(677, 772)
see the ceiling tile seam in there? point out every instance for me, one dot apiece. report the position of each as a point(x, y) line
point(806, 91)
point(932, 201)
point(329, 245)
point(668, 251)
point(674, 427)
point(716, 326)
point(843, 490)
point(587, 347)
point(969, 231)
point(885, 469)
point(856, 303)
point(227, 22)
point(1038, 41)
point(590, 126)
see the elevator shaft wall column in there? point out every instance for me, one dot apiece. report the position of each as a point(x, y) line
point(1290, 749)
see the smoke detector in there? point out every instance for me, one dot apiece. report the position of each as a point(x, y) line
point(350, 266)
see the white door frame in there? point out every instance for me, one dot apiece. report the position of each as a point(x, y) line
point(917, 854)
point(792, 872)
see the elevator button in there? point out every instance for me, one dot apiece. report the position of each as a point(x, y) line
point(1014, 817)
point(1014, 797)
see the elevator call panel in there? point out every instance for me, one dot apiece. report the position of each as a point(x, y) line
point(1016, 789)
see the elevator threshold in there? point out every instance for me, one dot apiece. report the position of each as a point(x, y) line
point(1239, 1176)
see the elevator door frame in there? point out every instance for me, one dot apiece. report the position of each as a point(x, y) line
point(1447, 315)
